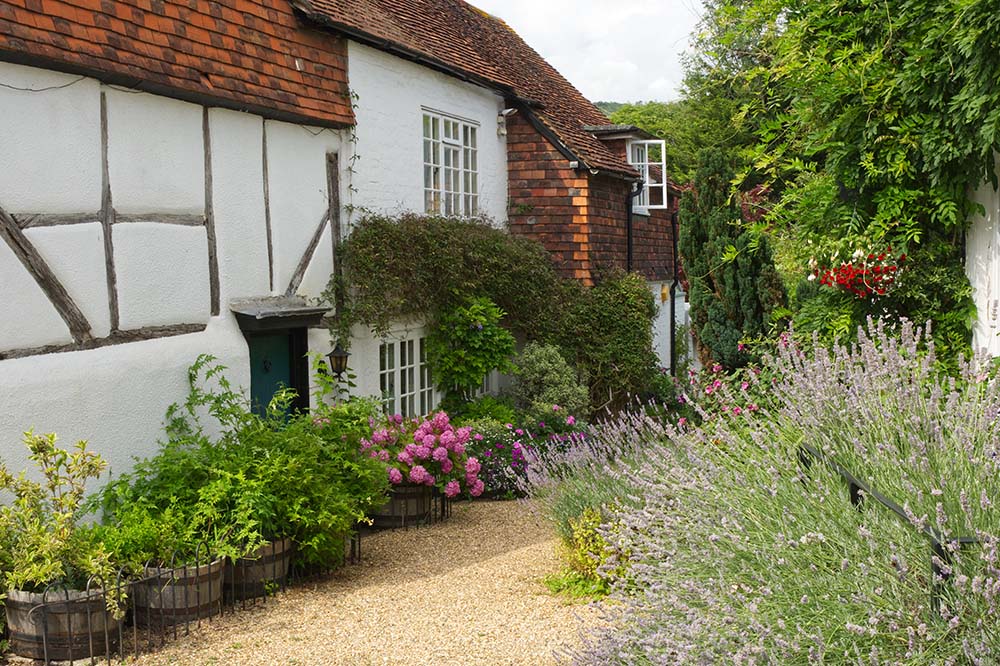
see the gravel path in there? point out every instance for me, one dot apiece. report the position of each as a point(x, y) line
point(465, 591)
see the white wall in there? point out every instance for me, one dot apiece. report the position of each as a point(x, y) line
point(983, 268)
point(661, 324)
point(116, 396)
point(391, 91)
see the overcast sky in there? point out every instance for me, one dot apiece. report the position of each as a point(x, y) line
point(611, 50)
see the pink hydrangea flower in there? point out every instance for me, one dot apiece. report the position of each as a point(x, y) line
point(429, 480)
point(472, 465)
point(440, 421)
point(458, 448)
point(429, 440)
point(384, 455)
point(440, 454)
point(463, 433)
point(397, 419)
point(447, 465)
point(452, 488)
point(448, 439)
point(404, 458)
point(422, 453)
point(365, 445)
point(418, 474)
point(395, 476)
point(477, 488)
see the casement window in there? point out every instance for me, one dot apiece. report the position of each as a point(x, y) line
point(649, 159)
point(405, 378)
point(451, 165)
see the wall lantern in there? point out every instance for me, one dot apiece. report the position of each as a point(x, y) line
point(338, 360)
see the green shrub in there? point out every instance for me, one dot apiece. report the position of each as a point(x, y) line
point(485, 407)
point(543, 378)
point(466, 344)
point(609, 338)
point(264, 477)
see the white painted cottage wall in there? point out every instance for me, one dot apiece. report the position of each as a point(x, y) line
point(116, 396)
point(982, 265)
point(390, 95)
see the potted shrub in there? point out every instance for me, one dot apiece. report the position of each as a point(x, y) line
point(421, 455)
point(175, 576)
point(59, 605)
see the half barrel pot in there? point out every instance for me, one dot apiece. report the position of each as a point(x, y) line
point(409, 504)
point(260, 572)
point(181, 594)
point(61, 625)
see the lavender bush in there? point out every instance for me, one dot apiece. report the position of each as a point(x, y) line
point(741, 554)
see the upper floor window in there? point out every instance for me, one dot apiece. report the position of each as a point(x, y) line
point(451, 165)
point(649, 159)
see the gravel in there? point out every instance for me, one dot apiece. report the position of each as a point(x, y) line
point(464, 591)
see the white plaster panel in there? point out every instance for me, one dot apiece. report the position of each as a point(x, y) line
point(115, 397)
point(50, 141)
point(296, 167)
point(29, 319)
point(162, 273)
point(156, 154)
point(318, 273)
point(391, 92)
point(238, 204)
point(661, 323)
point(982, 267)
point(75, 253)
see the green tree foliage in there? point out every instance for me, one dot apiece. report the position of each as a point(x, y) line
point(733, 285)
point(875, 121)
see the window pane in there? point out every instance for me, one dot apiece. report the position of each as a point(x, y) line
point(427, 125)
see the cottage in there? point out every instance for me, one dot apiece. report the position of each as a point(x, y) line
point(178, 174)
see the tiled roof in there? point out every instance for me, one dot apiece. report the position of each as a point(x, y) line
point(246, 54)
point(455, 36)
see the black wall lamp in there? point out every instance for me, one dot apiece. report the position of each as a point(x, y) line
point(338, 360)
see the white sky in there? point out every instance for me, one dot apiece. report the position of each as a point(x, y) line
point(611, 50)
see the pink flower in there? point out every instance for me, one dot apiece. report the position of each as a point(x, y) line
point(440, 421)
point(509, 426)
point(744, 385)
point(452, 488)
point(477, 488)
point(395, 476)
point(519, 432)
point(682, 421)
point(384, 455)
point(570, 421)
point(741, 347)
point(447, 465)
point(716, 367)
point(418, 474)
point(458, 448)
point(477, 437)
point(473, 466)
point(404, 458)
point(737, 411)
point(365, 445)
point(397, 419)
point(463, 433)
point(448, 439)
point(439, 454)
point(422, 452)
point(556, 408)
point(429, 440)
point(429, 480)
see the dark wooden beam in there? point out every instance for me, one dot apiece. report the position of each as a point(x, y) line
point(267, 209)
point(108, 220)
point(116, 338)
point(300, 270)
point(14, 236)
point(336, 231)
point(33, 220)
point(213, 248)
point(161, 218)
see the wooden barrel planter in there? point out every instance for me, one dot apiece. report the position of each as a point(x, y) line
point(260, 572)
point(61, 625)
point(176, 595)
point(409, 504)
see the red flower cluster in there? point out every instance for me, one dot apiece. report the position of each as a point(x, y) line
point(866, 277)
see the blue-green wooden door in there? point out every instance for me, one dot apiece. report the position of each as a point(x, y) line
point(270, 367)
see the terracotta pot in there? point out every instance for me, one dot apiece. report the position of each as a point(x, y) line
point(61, 625)
point(258, 573)
point(409, 504)
point(171, 596)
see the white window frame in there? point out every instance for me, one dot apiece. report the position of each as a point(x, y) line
point(405, 377)
point(451, 164)
point(638, 157)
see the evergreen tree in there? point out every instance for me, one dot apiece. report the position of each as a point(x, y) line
point(733, 285)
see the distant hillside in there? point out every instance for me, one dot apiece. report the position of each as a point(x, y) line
point(609, 107)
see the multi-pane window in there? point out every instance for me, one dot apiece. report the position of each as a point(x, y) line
point(451, 166)
point(387, 375)
point(648, 157)
point(406, 385)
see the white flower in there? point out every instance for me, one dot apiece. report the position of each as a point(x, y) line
point(811, 277)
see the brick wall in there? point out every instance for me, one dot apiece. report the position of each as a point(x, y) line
point(580, 217)
point(548, 199)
